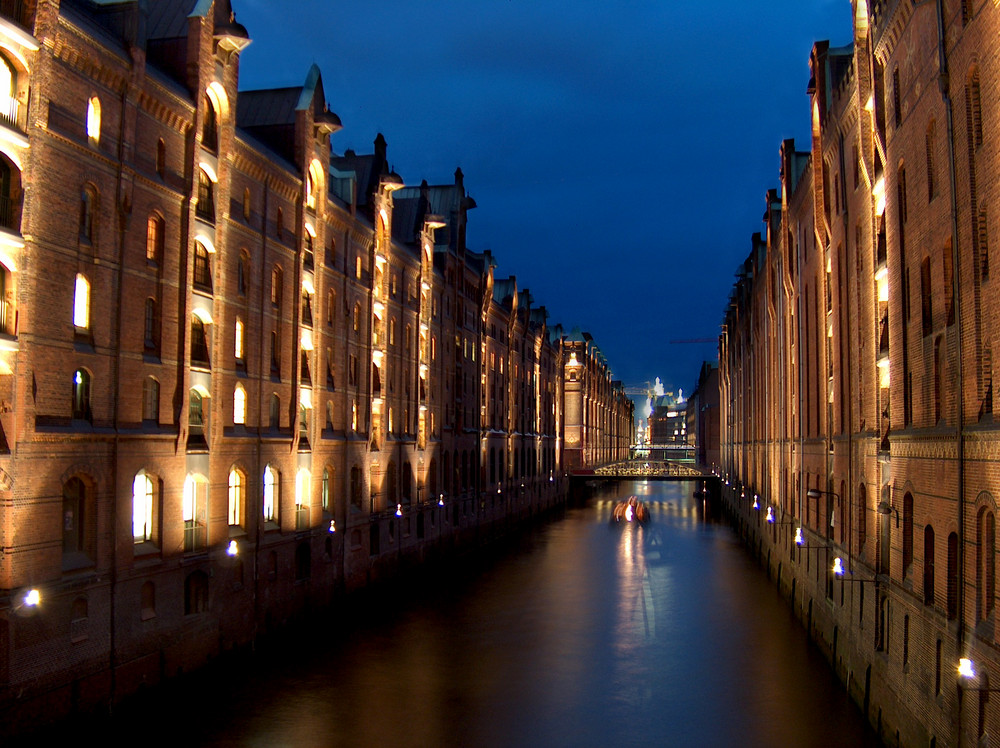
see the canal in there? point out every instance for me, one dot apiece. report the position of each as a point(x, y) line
point(579, 633)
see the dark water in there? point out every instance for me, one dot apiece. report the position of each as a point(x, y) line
point(584, 634)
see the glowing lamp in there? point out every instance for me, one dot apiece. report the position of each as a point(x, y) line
point(838, 567)
point(32, 598)
point(965, 668)
point(441, 500)
point(756, 504)
point(333, 525)
point(232, 549)
point(799, 540)
point(399, 510)
point(770, 515)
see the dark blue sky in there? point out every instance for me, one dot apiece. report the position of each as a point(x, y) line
point(619, 152)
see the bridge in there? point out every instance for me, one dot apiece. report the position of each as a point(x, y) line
point(647, 470)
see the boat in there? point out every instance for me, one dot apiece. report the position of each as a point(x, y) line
point(631, 510)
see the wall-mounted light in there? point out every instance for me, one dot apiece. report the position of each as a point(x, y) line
point(232, 549)
point(333, 525)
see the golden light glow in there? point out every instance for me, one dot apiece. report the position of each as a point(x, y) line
point(799, 540)
point(966, 668)
point(878, 193)
point(232, 549)
point(32, 598)
point(838, 567)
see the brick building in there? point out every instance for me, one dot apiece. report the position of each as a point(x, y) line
point(239, 373)
point(856, 368)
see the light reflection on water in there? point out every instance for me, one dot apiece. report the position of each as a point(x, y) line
point(588, 633)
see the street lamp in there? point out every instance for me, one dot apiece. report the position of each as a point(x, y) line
point(839, 572)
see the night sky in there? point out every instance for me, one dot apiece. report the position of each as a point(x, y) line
point(619, 152)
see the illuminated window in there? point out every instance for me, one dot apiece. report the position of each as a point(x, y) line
point(196, 420)
point(354, 416)
point(194, 512)
point(303, 487)
point(154, 239)
point(239, 340)
point(357, 266)
point(325, 494)
point(237, 497)
point(81, 395)
point(94, 120)
point(246, 203)
point(239, 404)
point(310, 192)
point(142, 508)
point(357, 319)
point(81, 303)
point(276, 283)
point(392, 332)
point(271, 484)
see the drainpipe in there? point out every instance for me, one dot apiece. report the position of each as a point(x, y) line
point(259, 521)
point(124, 211)
point(943, 85)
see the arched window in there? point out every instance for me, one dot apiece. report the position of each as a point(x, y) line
point(94, 120)
point(147, 601)
point(862, 518)
point(274, 412)
point(357, 320)
point(77, 520)
point(271, 495)
point(928, 565)
point(356, 487)
point(202, 267)
point(303, 488)
point(161, 157)
point(237, 497)
point(239, 404)
point(985, 564)
point(310, 192)
point(8, 92)
point(907, 533)
point(88, 209)
point(276, 284)
point(239, 338)
point(194, 509)
point(325, 492)
point(196, 421)
point(81, 395)
point(205, 209)
point(151, 327)
point(154, 239)
point(243, 273)
point(210, 127)
point(143, 494)
point(199, 342)
point(81, 303)
point(150, 400)
point(195, 593)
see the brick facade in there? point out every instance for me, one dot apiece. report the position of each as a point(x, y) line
point(239, 373)
point(856, 367)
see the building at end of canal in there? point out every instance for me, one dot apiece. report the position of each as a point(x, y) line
point(856, 368)
point(239, 373)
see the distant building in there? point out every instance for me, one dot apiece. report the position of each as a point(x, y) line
point(703, 417)
point(668, 428)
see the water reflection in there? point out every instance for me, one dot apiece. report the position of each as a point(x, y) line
point(587, 633)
